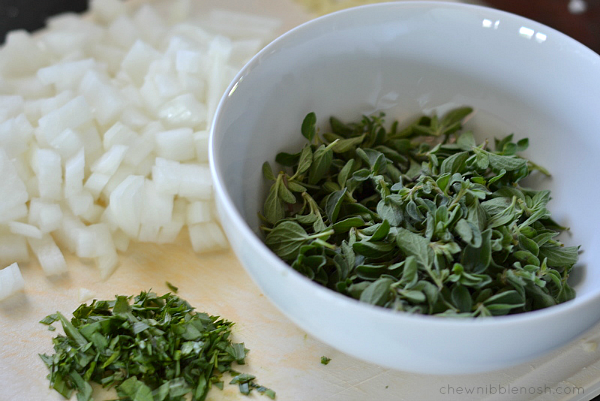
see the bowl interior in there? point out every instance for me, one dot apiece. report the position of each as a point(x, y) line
point(406, 59)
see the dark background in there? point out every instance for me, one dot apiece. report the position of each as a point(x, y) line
point(31, 14)
point(584, 27)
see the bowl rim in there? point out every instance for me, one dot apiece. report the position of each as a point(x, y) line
point(222, 194)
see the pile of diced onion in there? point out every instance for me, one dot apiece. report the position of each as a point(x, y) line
point(104, 122)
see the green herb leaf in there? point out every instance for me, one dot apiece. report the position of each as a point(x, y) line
point(415, 245)
point(557, 256)
point(345, 225)
point(507, 163)
point(333, 204)
point(455, 163)
point(306, 158)
point(274, 209)
point(309, 129)
point(322, 159)
point(378, 292)
point(268, 172)
point(284, 193)
point(172, 287)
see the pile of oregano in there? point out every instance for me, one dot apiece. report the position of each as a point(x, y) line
point(157, 348)
point(420, 219)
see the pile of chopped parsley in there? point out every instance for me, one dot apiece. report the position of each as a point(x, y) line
point(155, 349)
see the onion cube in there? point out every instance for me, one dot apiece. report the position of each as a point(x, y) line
point(103, 97)
point(15, 134)
point(177, 144)
point(207, 237)
point(13, 190)
point(80, 203)
point(74, 174)
point(11, 281)
point(10, 106)
point(24, 229)
point(189, 61)
point(126, 204)
point(157, 208)
point(49, 255)
point(67, 143)
point(106, 11)
point(184, 110)
point(149, 23)
point(138, 60)
point(47, 166)
point(188, 180)
point(96, 183)
point(110, 161)
point(85, 295)
point(45, 215)
point(65, 75)
point(118, 134)
point(21, 55)
point(93, 241)
point(72, 114)
point(66, 234)
point(107, 264)
point(199, 212)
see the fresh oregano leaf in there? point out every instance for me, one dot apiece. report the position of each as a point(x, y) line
point(286, 239)
point(285, 194)
point(322, 159)
point(333, 205)
point(377, 293)
point(309, 128)
point(461, 298)
point(306, 158)
point(268, 172)
point(274, 209)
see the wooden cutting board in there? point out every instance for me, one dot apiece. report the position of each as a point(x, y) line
point(282, 356)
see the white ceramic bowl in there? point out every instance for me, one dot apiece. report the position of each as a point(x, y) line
point(405, 59)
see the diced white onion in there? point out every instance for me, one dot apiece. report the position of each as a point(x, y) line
point(199, 212)
point(49, 255)
point(11, 281)
point(47, 165)
point(104, 130)
point(125, 202)
point(72, 114)
point(188, 180)
point(110, 161)
point(24, 229)
point(45, 215)
point(85, 295)
point(207, 236)
point(177, 144)
point(13, 190)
